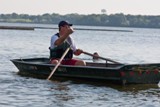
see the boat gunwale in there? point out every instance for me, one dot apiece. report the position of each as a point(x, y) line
point(121, 66)
point(23, 61)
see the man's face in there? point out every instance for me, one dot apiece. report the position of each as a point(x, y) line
point(66, 27)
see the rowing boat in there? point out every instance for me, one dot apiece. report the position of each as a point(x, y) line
point(106, 72)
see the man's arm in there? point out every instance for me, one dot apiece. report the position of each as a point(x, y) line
point(61, 39)
point(67, 30)
point(78, 52)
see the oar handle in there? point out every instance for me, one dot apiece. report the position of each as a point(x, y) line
point(59, 62)
point(107, 59)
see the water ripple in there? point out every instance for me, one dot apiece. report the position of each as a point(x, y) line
point(139, 46)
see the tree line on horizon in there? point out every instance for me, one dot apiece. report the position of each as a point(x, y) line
point(113, 20)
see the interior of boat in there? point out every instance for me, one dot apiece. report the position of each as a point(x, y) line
point(47, 61)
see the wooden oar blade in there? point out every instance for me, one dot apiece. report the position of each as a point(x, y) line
point(59, 62)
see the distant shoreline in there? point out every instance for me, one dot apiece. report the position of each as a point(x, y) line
point(112, 20)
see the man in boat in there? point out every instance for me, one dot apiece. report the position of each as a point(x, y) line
point(60, 42)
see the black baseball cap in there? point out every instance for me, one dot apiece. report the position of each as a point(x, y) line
point(62, 23)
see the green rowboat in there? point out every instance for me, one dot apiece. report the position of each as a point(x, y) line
point(110, 72)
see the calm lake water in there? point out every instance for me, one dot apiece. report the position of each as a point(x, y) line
point(139, 46)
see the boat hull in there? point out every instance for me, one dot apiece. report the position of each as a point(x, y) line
point(136, 73)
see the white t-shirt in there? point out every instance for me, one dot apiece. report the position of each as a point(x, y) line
point(69, 40)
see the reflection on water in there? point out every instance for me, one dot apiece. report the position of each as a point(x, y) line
point(139, 46)
point(117, 86)
point(97, 94)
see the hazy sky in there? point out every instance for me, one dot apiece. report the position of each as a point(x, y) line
point(134, 7)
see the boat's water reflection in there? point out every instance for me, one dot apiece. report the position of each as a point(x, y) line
point(114, 85)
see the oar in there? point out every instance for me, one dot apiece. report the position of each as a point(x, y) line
point(107, 59)
point(58, 63)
